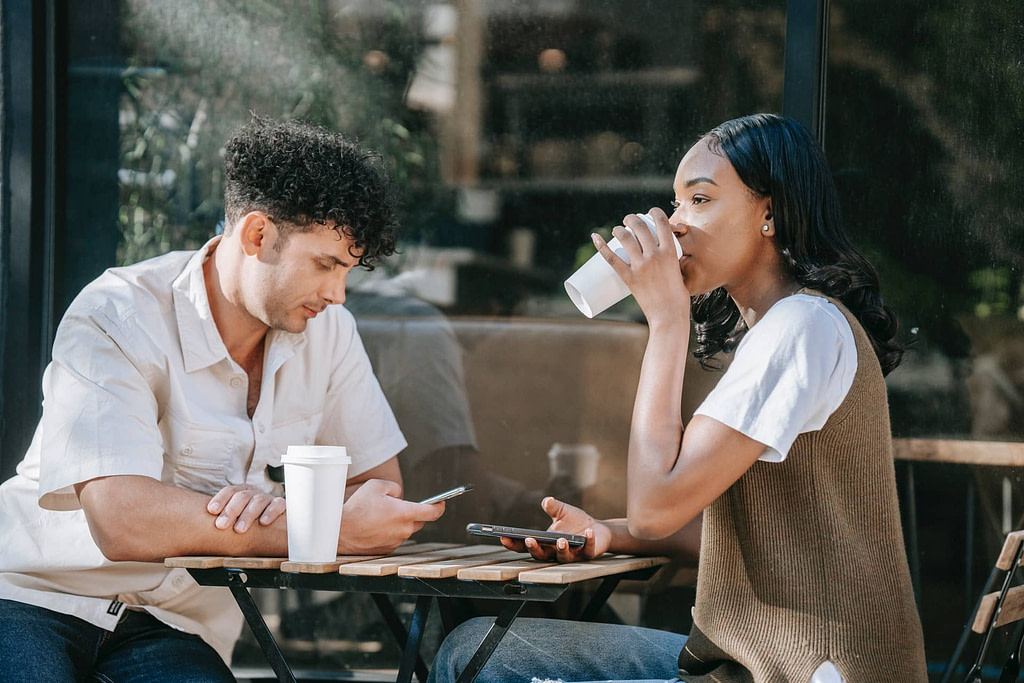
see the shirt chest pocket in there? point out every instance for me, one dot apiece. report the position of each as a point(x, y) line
point(297, 430)
point(199, 458)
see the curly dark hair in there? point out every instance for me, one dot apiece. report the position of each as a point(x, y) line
point(302, 175)
point(777, 157)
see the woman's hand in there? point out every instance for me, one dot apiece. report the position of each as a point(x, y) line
point(238, 507)
point(652, 272)
point(566, 519)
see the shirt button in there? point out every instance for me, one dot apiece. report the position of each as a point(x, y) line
point(260, 426)
point(186, 450)
point(236, 382)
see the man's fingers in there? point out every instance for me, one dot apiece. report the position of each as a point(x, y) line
point(273, 511)
point(427, 513)
point(221, 498)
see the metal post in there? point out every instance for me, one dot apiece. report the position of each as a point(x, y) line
point(803, 92)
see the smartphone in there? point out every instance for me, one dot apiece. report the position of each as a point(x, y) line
point(575, 540)
point(445, 495)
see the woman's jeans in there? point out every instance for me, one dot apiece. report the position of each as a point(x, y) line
point(562, 650)
point(41, 646)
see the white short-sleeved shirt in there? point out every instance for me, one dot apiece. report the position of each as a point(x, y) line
point(142, 384)
point(790, 372)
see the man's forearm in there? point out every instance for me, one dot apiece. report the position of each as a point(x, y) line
point(136, 518)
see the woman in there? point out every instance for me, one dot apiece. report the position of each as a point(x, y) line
point(803, 575)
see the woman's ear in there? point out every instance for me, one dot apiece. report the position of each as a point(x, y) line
point(768, 224)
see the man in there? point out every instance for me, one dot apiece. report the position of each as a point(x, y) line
point(175, 386)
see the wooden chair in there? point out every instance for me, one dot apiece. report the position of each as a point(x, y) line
point(997, 609)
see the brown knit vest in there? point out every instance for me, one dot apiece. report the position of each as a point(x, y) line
point(803, 561)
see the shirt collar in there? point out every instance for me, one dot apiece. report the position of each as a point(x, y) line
point(201, 344)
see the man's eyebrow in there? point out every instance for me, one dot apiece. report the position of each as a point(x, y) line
point(700, 179)
point(335, 259)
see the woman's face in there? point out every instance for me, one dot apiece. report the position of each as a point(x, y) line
point(718, 222)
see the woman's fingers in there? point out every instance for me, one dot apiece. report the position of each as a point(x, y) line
point(617, 264)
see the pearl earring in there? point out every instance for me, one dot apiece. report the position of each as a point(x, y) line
point(765, 228)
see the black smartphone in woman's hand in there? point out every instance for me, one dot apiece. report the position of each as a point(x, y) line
point(548, 537)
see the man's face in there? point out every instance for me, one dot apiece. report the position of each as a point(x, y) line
point(288, 284)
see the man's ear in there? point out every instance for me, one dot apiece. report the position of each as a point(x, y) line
point(255, 231)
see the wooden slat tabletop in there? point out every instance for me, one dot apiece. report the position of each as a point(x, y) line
point(388, 566)
point(443, 569)
point(438, 561)
point(583, 571)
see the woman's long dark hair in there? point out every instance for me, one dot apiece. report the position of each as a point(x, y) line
point(778, 157)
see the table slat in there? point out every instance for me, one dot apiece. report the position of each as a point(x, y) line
point(254, 562)
point(582, 571)
point(964, 452)
point(506, 571)
point(388, 566)
point(447, 568)
point(332, 567)
point(196, 561)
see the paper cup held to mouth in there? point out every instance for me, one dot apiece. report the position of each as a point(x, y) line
point(596, 286)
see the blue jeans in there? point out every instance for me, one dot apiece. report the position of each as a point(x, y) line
point(562, 650)
point(41, 646)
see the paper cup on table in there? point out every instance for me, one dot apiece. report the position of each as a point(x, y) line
point(314, 484)
point(596, 286)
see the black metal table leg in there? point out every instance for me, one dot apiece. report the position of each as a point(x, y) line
point(599, 598)
point(236, 584)
point(411, 652)
point(394, 624)
point(447, 612)
point(491, 639)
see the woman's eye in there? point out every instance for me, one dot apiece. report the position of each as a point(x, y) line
point(699, 200)
point(322, 265)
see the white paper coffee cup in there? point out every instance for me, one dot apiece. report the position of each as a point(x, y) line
point(596, 286)
point(314, 484)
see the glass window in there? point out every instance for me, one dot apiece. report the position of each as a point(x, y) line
point(924, 110)
point(514, 128)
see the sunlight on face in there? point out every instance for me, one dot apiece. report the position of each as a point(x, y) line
point(298, 279)
point(718, 222)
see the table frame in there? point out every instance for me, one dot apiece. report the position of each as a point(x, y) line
point(516, 593)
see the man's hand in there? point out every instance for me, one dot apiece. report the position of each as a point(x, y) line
point(566, 519)
point(376, 521)
point(238, 507)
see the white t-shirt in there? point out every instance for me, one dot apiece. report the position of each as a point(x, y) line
point(142, 384)
point(789, 373)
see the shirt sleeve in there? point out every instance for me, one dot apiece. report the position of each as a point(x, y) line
point(356, 412)
point(99, 413)
point(790, 372)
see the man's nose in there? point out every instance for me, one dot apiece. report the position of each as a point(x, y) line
point(334, 291)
